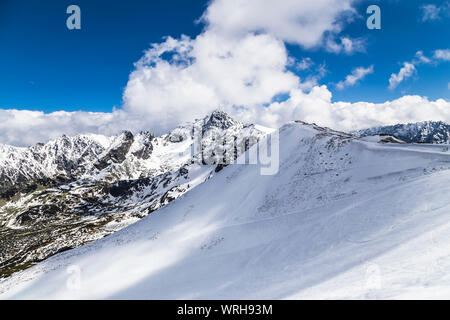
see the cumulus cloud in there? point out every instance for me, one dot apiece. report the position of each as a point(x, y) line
point(409, 68)
point(406, 71)
point(317, 106)
point(22, 128)
point(403, 110)
point(356, 75)
point(303, 64)
point(443, 54)
point(239, 59)
point(313, 77)
point(204, 73)
point(346, 45)
point(301, 22)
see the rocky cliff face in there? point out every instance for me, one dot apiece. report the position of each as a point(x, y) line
point(73, 190)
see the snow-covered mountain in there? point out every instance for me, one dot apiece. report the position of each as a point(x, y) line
point(344, 217)
point(73, 190)
point(420, 132)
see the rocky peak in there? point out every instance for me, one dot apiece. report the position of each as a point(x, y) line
point(142, 147)
point(220, 120)
point(117, 152)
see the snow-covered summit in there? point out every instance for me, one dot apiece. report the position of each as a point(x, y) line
point(343, 218)
point(86, 154)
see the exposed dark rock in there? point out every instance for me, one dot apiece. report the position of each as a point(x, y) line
point(147, 148)
point(118, 153)
point(219, 167)
point(219, 119)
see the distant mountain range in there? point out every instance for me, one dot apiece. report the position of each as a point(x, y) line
point(72, 190)
point(343, 218)
point(421, 132)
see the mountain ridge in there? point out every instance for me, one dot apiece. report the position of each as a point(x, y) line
point(343, 218)
point(72, 190)
point(417, 132)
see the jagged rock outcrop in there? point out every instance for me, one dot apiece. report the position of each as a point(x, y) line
point(117, 152)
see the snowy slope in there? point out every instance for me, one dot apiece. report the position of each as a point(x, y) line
point(343, 218)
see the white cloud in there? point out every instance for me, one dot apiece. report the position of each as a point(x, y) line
point(346, 45)
point(301, 22)
point(443, 54)
point(356, 75)
point(432, 12)
point(352, 45)
point(313, 78)
point(406, 71)
point(304, 64)
point(22, 127)
point(240, 59)
point(421, 58)
point(19, 127)
point(403, 110)
point(208, 71)
point(316, 106)
point(409, 68)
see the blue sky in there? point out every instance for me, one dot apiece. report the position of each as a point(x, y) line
point(151, 65)
point(47, 67)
